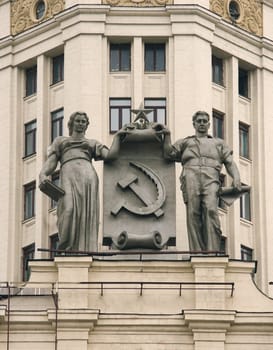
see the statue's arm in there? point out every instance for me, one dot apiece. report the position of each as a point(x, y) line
point(48, 168)
point(233, 171)
point(112, 153)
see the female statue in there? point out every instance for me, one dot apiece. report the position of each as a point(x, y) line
point(78, 209)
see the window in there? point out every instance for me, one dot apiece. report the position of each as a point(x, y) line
point(30, 138)
point(28, 254)
point(120, 110)
point(120, 57)
point(245, 206)
point(55, 178)
point(40, 9)
point(217, 70)
point(57, 69)
point(246, 253)
point(54, 241)
point(244, 140)
point(154, 57)
point(159, 109)
point(223, 245)
point(218, 124)
point(243, 82)
point(29, 200)
point(57, 123)
point(31, 81)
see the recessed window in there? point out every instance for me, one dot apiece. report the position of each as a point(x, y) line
point(243, 82)
point(120, 111)
point(30, 138)
point(158, 115)
point(234, 10)
point(120, 57)
point(28, 254)
point(246, 253)
point(217, 70)
point(245, 206)
point(244, 140)
point(40, 9)
point(57, 123)
point(54, 242)
point(218, 124)
point(57, 69)
point(31, 80)
point(155, 57)
point(223, 245)
point(29, 200)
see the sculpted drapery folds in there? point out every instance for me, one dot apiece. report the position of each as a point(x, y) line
point(78, 209)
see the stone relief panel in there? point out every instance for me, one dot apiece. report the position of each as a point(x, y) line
point(27, 13)
point(137, 2)
point(246, 14)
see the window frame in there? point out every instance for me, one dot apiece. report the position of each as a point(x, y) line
point(31, 81)
point(120, 109)
point(57, 121)
point(244, 129)
point(53, 243)
point(243, 87)
point(245, 213)
point(32, 140)
point(156, 108)
point(29, 188)
point(58, 68)
point(28, 253)
point(246, 253)
point(217, 115)
point(121, 64)
point(155, 47)
point(214, 64)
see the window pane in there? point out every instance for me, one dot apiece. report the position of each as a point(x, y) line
point(56, 124)
point(218, 125)
point(114, 120)
point(155, 103)
point(31, 81)
point(125, 57)
point(58, 69)
point(149, 58)
point(30, 138)
point(28, 254)
point(244, 140)
point(161, 116)
point(246, 253)
point(245, 212)
point(114, 58)
point(120, 102)
point(217, 70)
point(243, 82)
point(29, 200)
point(160, 58)
point(126, 116)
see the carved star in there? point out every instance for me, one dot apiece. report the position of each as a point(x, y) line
point(141, 112)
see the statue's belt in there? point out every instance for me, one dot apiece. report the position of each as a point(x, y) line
point(63, 161)
point(203, 161)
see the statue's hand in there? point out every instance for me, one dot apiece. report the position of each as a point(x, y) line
point(237, 185)
point(42, 179)
point(161, 129)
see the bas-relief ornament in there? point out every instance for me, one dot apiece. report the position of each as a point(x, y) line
point(250, 17)
point(138, 2)
point(23, 13)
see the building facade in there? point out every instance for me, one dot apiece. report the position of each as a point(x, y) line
point(176, 57)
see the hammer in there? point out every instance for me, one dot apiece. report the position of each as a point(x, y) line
point(130, 181)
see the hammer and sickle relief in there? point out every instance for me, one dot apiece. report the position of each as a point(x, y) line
point(151, 207)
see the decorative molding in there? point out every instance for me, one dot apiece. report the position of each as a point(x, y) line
point(23, 13)
point(250, 19)
point(139, 3)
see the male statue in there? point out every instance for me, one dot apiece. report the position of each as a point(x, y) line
point(202, 157)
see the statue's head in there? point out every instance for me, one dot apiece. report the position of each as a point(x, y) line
point(200, 121)
point(72, 118)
